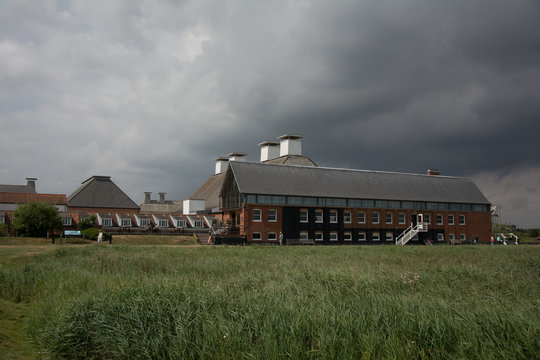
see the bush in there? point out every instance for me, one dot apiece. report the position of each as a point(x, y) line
point(87, 223)
point(92, 234)
point(36, 219)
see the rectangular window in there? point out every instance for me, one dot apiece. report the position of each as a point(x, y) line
point(450, 219)
point(180, 223)
point(440, 220)
point(347, 217)
point(461, 219)
point(381, 204)
point(264, 199)
point(165, 223)
point(347, 236)
point(126, 222)
point(146, 222)
point(2, 219)
point(304, 235)
point(279, 200)
point(440, 237)
point(272, 236)
point(272, 215)
point(333, 236)
point(375, 218)
point(257, 215)
point(389, 236)
point(462, 238)
point(402, 218)
point(319, 236)
point(376, 236)
point(427, 218)
point(196, 223)
point(106, 222)
point(394, 204)
point(65, 221)
point(361, 236)
point(256, 236)
point(361, 218)
point(451, 238)
point(318, 216)
point(388, 218)
point(333, 216)
point(303, 215)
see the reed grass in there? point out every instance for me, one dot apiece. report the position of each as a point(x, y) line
point(384, 302)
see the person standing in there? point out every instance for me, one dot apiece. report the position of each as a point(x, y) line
point(492, 240)
point(100, 236)
point(280, 238)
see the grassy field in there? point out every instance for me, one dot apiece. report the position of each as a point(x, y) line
point(377, 302)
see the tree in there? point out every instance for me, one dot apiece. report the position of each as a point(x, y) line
point(35, 219)
point(87, 223)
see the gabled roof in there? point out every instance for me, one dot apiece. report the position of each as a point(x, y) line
point(23, 198)
point(209, 191)
point(271, 179)
point(27, 189)
point(100, 192)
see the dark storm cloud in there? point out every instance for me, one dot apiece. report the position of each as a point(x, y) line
point(159, 90)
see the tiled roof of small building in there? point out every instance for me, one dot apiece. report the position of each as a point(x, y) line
point(100, 192)
point(23, 198)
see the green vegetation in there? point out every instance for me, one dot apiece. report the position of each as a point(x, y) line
point(36, 219)
point(87, 223)
point(140, 302)
point(92, 234)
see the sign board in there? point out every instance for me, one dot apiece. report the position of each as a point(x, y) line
point(72, 232)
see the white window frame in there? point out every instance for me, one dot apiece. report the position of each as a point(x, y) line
point(181, 223)
point(144, 222)
point(319, 216)
point(333, 236)
point(65, 221)
point(451, 238)
point(272, 215)
point(361, 217)
point(272, 236)
point(375, 218)
point(256, 236)
point(106, 222)
point(126, 223)
point(462, 238)
point(347, 217)
point(440, 219)
point(450, 219)
point(387, 218)
point(257, 215)
point(304, 215)
point(402, 220)
point(389, 236)
point(462, 219)
point(304, 235)
point(163, 223)
point(333, 216)
point(319, 236)
point(347, 236)
point(375, 236)
point(427, 218)
point(198, 224)
point(362, 236)
point(440, 237)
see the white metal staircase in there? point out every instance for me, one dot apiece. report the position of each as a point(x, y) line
point(411, 232)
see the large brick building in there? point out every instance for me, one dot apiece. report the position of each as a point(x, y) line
point(286, 192)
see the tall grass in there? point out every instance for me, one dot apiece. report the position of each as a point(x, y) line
point(128, 302)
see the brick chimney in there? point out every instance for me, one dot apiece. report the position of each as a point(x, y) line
point(161, 197)
point(433, 172)
point(269, 150)
point(147, 195)
point(290, 145)
point(31, 182)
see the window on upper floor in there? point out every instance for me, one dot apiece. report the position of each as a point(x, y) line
point(389, 218)
point(257, 215)
point(126, 222)
point(165, 223)
point(145, 222)
point(304, 215)
point(461, 219)
point(347, 217)
point(375, 218)
point(440, 220)
point(65, 221)
point(318, 216)
point(272, 215)
point(180, 223)
point(333, 216)
point(427, 218)
point(401, 218)
point(361, 218)
point(106, 222)
point(450, 219)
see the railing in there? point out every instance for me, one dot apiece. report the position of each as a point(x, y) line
point(411, 232)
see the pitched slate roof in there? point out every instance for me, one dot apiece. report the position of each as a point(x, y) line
point(100, 192)
point(27, 189)
point(209, 191)
point(292, 160)
point(271, 179)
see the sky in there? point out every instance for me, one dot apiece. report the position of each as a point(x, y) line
point(152, 92)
